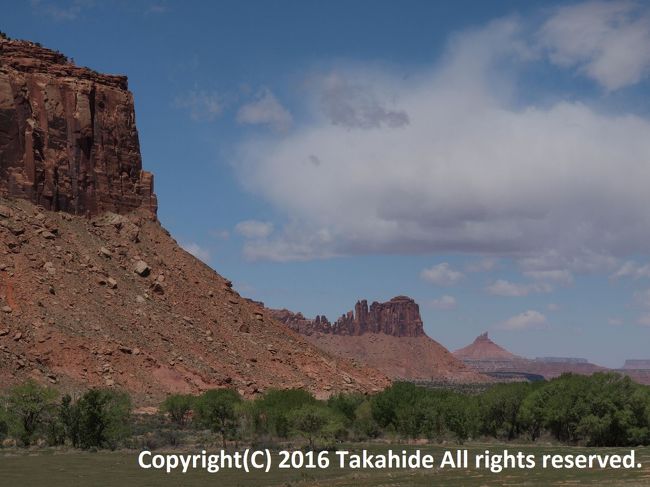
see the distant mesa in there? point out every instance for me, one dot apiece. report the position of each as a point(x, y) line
point(562, 360)
point(388, 336)
point(637, 364)
point(399, 317)
point(487, 357)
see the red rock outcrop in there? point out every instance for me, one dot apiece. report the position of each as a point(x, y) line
point(386, 336)
point(298, 322)
point(68, 139)
point(398, 317)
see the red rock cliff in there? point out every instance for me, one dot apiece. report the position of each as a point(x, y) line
point(68, 139)
point(398, 317)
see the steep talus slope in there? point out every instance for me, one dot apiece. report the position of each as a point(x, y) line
point(80, 307)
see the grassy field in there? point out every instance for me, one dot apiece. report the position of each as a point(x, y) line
point(120, 469)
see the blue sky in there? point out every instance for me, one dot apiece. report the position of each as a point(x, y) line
point(489, 159)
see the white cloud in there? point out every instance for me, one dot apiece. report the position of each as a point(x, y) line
point(296, 247)
point(560, 276)
point(553, 307)
point(202, 105)
point(502, 287)
point(615, 322)
point(445, 302)
point(607, 41)
point(580, 260)
point(633, 270)
point(484, 265)
point(524, 321)
point(157, 8)
point(61, 11)
point(441, 275)
point(220, 234)
point(644, 320)
point(197, 251)
point(471, 172)
point(355, 105)
point(254, 229)
point(643, 297)
point(265, 110)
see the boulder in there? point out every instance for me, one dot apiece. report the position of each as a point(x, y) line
point(141, 268)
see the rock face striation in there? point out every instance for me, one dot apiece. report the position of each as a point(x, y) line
point(68, 139)
point(399, 317)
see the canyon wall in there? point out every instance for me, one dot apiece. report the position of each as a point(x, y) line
point(68, 139)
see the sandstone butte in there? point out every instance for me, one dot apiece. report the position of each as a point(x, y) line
point(93, 290)
point(485, 356)
point(387, 336)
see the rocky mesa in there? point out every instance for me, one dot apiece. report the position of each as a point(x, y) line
point(93, 290)
point(388, 336)
point(399, 317)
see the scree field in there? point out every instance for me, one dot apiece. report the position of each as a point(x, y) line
point(54, 469)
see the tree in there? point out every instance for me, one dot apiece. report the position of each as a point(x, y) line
point(4, 426)
point(532, 413)
point(70, 419)
point(345, 404)
point(310, 421)
point(364, 425)
point(216, 409)
point(179, 407)
point(461, 416)
point(271, 412)
point(386, 404)
point(499, 410)
point(28, 406)
point(103, 418)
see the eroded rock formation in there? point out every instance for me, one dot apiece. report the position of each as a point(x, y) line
point(386, 336)
point(68, 139)
point(398, 317)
